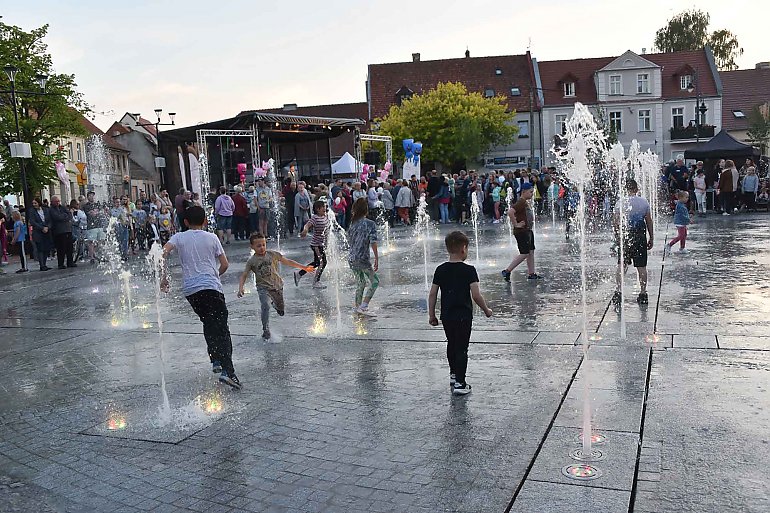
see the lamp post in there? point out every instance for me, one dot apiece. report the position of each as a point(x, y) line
point(20, 149)
point(700, 105)
point(160, 162)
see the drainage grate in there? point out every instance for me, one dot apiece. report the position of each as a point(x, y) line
point(581, 472)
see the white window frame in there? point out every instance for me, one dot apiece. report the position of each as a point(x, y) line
point(569, 89)
point(79, 152)
point(488, 90)
point(70, 150)
point(560, 124)
point(619, 83)
point(640, 83)
point(523, 134)
point(684, 82)
point(619, 120)
point(646, 127)
point(680, 107)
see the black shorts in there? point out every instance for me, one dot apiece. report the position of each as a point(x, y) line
point(525, 241)
point(635, 248)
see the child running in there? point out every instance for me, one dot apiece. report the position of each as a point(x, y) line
point(522, 220)
point(635, 241)
point(19, 237)
point(264, 265)
point(203, 261)
point(319, 223)
point(459, 283)
point(362, 234)
point(681, 220)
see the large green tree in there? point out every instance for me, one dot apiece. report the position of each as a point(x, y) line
point(689, 30)
point(454, 125)
point(43, 118)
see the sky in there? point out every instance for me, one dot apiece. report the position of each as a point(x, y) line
point(210, 60)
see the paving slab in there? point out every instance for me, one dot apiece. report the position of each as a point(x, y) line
point(736, 342)
point(695, 341)
point(538, 496)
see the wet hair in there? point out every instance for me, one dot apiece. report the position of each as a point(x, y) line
point(631, 185)
point(195, 216)
point(318, 205)
point(456, 241)
point(256, 236)
point(359, 210)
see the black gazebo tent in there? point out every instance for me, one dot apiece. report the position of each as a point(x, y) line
point(722, 146)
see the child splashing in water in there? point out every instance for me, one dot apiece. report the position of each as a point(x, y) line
point(363, 234)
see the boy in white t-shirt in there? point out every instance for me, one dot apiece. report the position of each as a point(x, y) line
point(203, 262)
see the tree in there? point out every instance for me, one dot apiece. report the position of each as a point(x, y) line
point(688, 30)
point(43, 119)
point(454, 125)
point(758, 132)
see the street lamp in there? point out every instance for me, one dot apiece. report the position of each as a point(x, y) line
point(160, 162)
point(21, 149)
point(700, 105)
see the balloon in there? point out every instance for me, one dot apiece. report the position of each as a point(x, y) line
point(379, 190)
point(366, 168)
point(409, 155)
point(337, 201)
point(408, 144)
point(242, 167)
point(388, 166)
point(265, 165)
point(417, 148)
point(383, 175)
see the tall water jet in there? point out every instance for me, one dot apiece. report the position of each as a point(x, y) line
point(336, 243)
point(423, 227)
point(509, 203)
point(272, 182)
point(98, 167)
point(617, 162)
point(125, 279)
point(157, 262)
point(649, 170)
point(584, 143)
point(475, 210)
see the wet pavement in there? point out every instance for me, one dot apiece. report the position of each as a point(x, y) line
point(350, 415)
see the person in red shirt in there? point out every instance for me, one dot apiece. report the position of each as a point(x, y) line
point(240, 215)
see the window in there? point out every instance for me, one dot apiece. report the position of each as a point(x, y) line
point(642, 83)
point(684, 82)
point(616, 121)
point(523, 129)
point(69, 151)
point(615, 85)
point(561, 124)
point(515, 91)
point(80, 153)
point(489, 92)
point(677, 117)
point(739, 114)
point(569, 88)
point(644, 121)
point(498, 71)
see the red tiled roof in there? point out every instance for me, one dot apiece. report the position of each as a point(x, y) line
point(672, 64)
point(744, 89)
point(95, 130)
point(148, 126)
point(357, 110)
point(476, 73)
point(119, 128)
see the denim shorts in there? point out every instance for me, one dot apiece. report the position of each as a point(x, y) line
point(224, 222)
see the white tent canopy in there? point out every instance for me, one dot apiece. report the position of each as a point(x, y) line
point(346, 165)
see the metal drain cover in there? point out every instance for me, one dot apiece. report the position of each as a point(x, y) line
point(596, 439)
point(579, 455)
point(581, 472)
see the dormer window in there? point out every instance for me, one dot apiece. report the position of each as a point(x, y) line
point(684, 82)
point(515, 91)
point(403, 94)
point(739, 114)
point(498, 71)
point(569, 88)
point(489, 92)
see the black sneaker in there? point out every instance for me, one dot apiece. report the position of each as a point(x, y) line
point(452, 380)
point(534, 276)
point(506, 275)
point(616, 298)
point(297, 277)
point(230, 379)
point(642, 299)
point(19, 271)
point(216, 367)
point(461, 389)
point(266, 334)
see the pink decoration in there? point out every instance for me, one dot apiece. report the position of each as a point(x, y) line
point(388, 166)
point(61, 171)
point(384, 175)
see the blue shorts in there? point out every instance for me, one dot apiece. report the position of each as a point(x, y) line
point(224, 223)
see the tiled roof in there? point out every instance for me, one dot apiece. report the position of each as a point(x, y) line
point(339, 110)
point(108, 140)
point(148, 126)
point(672, 64)
point(476, 73)
point(743, 90)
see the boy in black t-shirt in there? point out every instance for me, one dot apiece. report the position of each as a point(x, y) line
point(459, 283)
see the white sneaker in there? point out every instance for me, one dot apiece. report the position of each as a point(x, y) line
point(496, 221)
point(725, 214)
point(319, 285)
point(683, 251)
point(364, 310)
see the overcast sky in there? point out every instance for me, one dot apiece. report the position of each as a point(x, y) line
point(210, 60)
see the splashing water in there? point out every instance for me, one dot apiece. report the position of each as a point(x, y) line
point(272, 182)
point(616, 160)
point(423, 227)
point(99, 166)
point(156, 261)
point(509, 202)
point(475, 209)
point(125, 278)
point(336, 244)
point(584, 143)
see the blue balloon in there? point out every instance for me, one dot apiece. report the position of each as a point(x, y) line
point(417, 148)
point(408, 144)
point(409, 155)
point(416, 160)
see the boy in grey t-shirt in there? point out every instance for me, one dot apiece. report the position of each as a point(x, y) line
point(264, 265)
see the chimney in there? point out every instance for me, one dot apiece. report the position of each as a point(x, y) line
point(415, 57)
point(644, 51)
point(467, 53)
point(287, 107)
point(763, 65)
